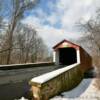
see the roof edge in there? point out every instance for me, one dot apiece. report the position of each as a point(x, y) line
point(64, 41)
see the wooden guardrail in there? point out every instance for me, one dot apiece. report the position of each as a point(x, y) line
point(26, 65)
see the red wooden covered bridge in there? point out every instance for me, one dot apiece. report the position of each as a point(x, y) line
point(67, 53)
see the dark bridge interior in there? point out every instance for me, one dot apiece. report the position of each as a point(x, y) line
point(67, 56)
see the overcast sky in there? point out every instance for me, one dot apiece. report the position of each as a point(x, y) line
point(55, 20)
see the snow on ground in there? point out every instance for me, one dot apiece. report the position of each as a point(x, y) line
point(86, 90)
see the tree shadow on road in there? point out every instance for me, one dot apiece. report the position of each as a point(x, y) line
point(76, 92)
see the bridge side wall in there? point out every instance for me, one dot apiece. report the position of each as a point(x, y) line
point(63, 82)
point(86, 60)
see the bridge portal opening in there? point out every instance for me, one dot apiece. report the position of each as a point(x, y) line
point(67, 56)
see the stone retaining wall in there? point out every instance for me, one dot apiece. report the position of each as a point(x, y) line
point(65, 81)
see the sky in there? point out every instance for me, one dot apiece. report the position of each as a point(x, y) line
point(55, 20)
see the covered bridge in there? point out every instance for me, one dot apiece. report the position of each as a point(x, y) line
point(76, 62)
point(68, 53)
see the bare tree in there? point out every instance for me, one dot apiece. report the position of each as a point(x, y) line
point(16, 14)
point(92, 31)
point(28, 46)
point(20, 43)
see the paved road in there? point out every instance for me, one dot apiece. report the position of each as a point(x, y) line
point(14, 83)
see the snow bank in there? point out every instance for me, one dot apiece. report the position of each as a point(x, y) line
point(84, 91)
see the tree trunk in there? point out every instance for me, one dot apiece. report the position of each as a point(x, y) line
point(10, 39)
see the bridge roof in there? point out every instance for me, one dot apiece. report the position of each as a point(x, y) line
point(65, 43)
